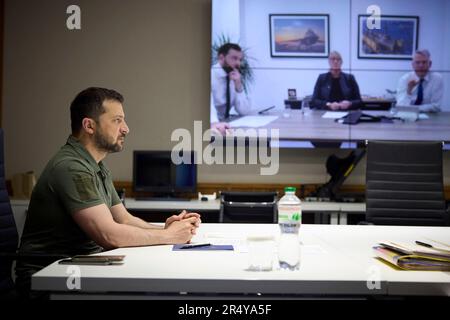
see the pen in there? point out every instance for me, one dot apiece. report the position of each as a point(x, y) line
point(189, 246)
point(262, 111)
point(420, 243)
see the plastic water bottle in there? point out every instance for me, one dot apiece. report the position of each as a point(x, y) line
point(289, 220)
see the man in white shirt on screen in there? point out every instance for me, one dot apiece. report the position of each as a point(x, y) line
point(227, 90)
point(421, 87)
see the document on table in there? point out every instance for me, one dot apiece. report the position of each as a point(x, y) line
point(334, 114)
point(252, 121)
point(237, 240)
point(239, 245)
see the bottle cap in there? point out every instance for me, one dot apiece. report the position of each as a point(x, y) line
point(289, 189)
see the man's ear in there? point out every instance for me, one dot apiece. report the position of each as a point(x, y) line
point(88, 125)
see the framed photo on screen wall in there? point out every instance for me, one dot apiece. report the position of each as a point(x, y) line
point(396, 38)
point(299, 35)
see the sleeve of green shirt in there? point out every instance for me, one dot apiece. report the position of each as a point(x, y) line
point(115, 197)
point(75, 186)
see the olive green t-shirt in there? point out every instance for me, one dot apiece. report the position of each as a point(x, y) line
point(71, 181)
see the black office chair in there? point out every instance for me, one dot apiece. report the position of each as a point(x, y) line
point(9, 238)
point(248, 207)
point(404, 184)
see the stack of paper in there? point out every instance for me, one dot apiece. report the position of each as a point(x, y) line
point(430, 255)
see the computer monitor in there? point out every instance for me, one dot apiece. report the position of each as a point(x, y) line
point(155, 172)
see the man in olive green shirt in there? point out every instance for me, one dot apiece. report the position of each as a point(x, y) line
point(74, 208)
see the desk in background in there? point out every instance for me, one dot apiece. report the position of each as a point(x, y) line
point(159, 211)
point(320, 212)
point(336, 261)
point(368, 103)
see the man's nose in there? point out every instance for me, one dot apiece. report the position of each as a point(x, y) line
point(125, 129)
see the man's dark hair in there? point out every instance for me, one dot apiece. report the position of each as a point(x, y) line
point(224, 49)
point(89, 104)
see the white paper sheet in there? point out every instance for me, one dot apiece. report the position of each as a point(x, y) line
point(334, 114)
point(252, 121)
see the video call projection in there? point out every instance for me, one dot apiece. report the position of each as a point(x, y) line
point(332, 71)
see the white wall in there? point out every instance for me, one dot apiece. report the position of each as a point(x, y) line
point(274, 75)
point(226, 20)
point(433, 15)
point(446, 35)
point(256, 27)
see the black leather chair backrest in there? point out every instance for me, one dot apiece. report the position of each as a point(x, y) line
point(248, 207)
point(404, 184)
point(8, 231)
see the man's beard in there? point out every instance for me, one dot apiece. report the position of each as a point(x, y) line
point(102, 143)
point(229, 68)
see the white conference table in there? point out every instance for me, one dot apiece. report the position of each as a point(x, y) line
point(336, 261)
point(311, 126)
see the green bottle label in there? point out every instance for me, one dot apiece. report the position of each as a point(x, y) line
point(289, 213)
